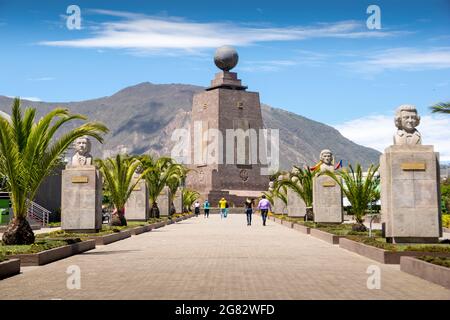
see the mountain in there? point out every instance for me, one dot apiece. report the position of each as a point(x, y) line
point(141, 118)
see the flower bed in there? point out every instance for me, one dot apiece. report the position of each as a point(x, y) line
point(390, 253)
point(433, 269)
point(29, 256)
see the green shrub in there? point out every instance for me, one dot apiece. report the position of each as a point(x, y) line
point(446, 220)
point(38, 246)
point(444, 262)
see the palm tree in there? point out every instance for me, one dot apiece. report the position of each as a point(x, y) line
point(162, 170)
point(189, 197)
point(300, 182)
point(359, 190)
point(176, 179)
point(120, 180)
point(442, 107)
point(29, 151)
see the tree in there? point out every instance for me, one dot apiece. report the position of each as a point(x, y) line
point(189, 197)
point(441, 107)
point(162, 170)
point(177, 177)
point(120, 181)
point(29, 151)
point(300, 182)
point(359, 190)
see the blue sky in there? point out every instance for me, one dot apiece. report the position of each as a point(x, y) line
point(315, 58)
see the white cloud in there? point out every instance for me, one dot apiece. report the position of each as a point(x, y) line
point(140, 32)
point(267, 65)
point(41, 79)
point(376, 131)
point(409, 59)
point(34, 99)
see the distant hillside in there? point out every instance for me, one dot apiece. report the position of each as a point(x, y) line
point(142, 118)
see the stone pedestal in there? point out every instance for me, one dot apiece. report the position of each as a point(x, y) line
point(296, 206)
point(410, 194)
point(178, 201)
point(137, 206)
point(163, 202)
point(278, 206)
point(327, 200)
point(81, 200)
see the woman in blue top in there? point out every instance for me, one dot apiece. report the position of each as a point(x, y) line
point(206, 208)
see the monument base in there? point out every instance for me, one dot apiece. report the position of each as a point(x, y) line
point(327, 200)
point(137, 206)
point(296, 206)
point(81, 199)
point(163, 203)
point(410, 194)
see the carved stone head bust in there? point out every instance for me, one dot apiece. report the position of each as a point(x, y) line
point(82, 156)
point(406, 120)
point(326, 156)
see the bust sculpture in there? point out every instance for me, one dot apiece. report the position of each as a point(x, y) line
point(82, 156)
point(326, 157)
point(406, 120)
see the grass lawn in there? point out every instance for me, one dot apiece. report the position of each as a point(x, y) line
point(61, 234)
point(38, 246)
point(443, 262)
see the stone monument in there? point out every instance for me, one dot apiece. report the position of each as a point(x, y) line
point(296, 206)
point(278, 204)
point(163, 202)
point(410, 189)
point(327, 194)
point(81, 192)
point(137, 206)
point(178, 201)
point(223, 106)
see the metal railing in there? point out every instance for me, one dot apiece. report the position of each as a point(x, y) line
point(38, 213)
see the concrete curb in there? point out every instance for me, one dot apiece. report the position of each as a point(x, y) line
point(110, 238)
point(381, 255)
point(301, 228)
point(325, 236)
point(9, 268)
point(51, 255)
point(431, 272)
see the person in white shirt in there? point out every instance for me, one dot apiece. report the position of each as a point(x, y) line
point(197, 208)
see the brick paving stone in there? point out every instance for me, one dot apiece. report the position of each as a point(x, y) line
point(218, 259)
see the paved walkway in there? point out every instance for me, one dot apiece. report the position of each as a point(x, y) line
point(218, 259)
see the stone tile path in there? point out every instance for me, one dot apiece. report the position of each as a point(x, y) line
point(218, 259)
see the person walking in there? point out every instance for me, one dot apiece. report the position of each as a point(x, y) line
point(206, 208)
point(264, 207)
point(222, 207)
point(249, 210)
point(197, 208)
point(226, 209)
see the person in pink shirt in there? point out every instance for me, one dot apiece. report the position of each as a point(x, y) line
point(264, 206)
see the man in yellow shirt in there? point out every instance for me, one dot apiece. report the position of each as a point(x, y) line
point(223, 207)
